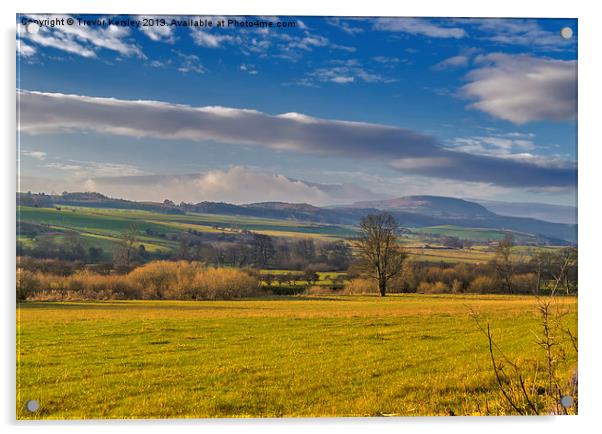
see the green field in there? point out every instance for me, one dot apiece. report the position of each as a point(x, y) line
point(471, 256)
point(474, 234)
point(104, 227)
point(298, 356)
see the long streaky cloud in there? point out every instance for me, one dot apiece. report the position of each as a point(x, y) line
point(405, 150)
point(54, 112)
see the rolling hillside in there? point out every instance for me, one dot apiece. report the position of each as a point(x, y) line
point(410, 212)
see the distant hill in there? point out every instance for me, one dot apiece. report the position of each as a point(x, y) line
point(540, 211)
point(430, 205)
point(410, 211)
point(441, 210)
point(94, 200)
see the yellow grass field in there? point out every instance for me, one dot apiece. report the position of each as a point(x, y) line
point(297, 356)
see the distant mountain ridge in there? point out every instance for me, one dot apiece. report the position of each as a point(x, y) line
point(409, 211)
point(541, 211)
point(430, 205)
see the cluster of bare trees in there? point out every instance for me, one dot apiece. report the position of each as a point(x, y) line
point(377, 255)
point(382, 258)
point(263, 251)
point(555, 269)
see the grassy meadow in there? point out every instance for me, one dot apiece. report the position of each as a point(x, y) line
point(284, 356)
point(106, 226)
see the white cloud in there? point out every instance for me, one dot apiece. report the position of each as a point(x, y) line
point(291, 44)
point(189, 63)
point(520, 88)
point(513, 146)
point(239, 185)
point(249, 69)
point(452, 62)
point(81, 40)
point(418, 26)
point(38, 155)
point(56, 39)
point(158, 33)
point(344, 25)
point(234, 185)
point(522, 32)
point(345, 72)
point(25, 50)
point(496, 145)
point(83, 169)
point(211, 40)
point(386, 60)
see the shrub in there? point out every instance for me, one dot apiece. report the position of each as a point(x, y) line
point(164, 279)
point(361, 286)
point(423, 288)
point(106, 287)
point(27, 284)
point(524, 283)
point(318, 290)
point(287, 289)
point(484, 284)
point(223, 283)
point(438, 288)
point(156, 280)
point(457, 286)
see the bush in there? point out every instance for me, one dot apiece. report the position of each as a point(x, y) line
point(439, 288)
point(51, 266)
point(156, 280)
point(287, 289)
point(423, 288)
point(433, 288)
point(484, 284)
point(457, 287)
point(524, 283)
point(164, 279)
point(361, 286)
point(223, 283)
point(27, 284)
point(318, 290)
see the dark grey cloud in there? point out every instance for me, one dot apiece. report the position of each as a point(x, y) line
point(55, 112)
point(402, 149)
point(517, 171)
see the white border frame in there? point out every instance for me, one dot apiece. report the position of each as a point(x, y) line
point(590, 33)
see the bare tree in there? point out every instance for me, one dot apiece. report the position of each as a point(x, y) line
point(541, 262)
point(305, 249)
point(564, 265)
point(504, 265)
point(126, 254)
point(379, 248)
point(263, 249)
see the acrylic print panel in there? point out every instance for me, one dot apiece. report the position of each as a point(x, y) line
point(295, 217)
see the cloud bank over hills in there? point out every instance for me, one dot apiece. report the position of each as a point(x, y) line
point(405, 150)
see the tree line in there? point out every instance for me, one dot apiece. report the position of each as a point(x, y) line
point(383, 260)
point(375, 261)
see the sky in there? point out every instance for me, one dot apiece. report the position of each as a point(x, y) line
point(321, 110)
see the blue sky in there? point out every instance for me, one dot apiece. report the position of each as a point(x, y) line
point(332, 110)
